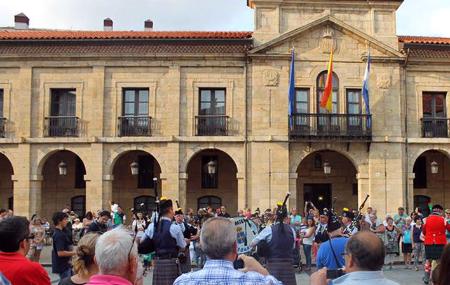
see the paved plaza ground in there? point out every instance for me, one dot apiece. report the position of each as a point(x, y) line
point(398, 273)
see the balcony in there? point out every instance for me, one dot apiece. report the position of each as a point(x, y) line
point(435, 127)
point(135, 126)
point(2, 127)
point(62, 126)
point(211, 125)
point(346, 127)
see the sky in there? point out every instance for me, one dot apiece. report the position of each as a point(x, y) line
point(415, 17)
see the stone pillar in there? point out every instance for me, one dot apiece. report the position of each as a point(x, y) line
point(163, 189)
point(410, 197)
point(183, 177)
point(107, 191)
point(27, 192)
point(293, 201)
point(35, 195)
point(241, 195)
point(363, 188)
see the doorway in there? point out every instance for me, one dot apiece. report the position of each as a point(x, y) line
point(319, 194)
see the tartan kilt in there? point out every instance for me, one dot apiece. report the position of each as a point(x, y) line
point(186, 267)
point(434, 251)
point(165, 271)
point(281, 268)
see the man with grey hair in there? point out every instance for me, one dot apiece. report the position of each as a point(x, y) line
point(117, 259)
point(218, 242)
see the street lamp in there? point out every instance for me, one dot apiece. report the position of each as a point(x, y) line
point(62, 166)
point(326, 167)
point(134, 168)
point(212, 167)
point(434, 167)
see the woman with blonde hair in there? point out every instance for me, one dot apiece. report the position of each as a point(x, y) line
point(83, 262)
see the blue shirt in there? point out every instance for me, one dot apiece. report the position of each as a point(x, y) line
point(325, 257)
point(219, 272)
point(363, 277)
point(175, 232)
point(407, 233)
point(266, 234)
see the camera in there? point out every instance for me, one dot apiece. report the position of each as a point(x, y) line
point(335, 273)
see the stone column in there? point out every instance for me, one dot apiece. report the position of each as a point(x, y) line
point(35, 194)
point(242, 199)
point(183, 177)
point(107, 191)
point(363, 188)
point(410, 197)
point(27, 192)
point(293, 200)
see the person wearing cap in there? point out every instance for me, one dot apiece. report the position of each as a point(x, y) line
point(280, 240)
point(330, 254)
point(348, 229)
point(434, 229)
point(188, 232)
point(168, 240)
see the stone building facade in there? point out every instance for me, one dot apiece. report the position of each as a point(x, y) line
point(206, 114)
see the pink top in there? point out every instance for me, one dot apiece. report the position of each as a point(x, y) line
point(108, 280)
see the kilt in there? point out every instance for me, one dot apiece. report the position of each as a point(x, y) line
point(186, 267)
point(281, 268)
point(165, 271)
point(434, 251)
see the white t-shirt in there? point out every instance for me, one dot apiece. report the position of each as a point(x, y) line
point(309, 240)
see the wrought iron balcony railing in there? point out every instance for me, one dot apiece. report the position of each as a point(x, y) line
point(62, 126)
point(211, 125)
point(330, 126)
point(435, 127)
point(135, 126)
point(2, 127)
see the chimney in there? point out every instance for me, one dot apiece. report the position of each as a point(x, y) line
point(107, 24)
point(148, 25)
point(21, 21)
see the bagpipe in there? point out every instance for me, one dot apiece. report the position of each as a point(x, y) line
point(262, 249)
point(357, 219)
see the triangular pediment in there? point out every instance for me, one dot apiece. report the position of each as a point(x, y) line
point(314, 36)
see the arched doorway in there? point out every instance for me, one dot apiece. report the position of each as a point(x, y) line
point(432, 180)
point(324, 176)
point(212, 179)
point(6, 184)
point(63, 184)
point(130, 190)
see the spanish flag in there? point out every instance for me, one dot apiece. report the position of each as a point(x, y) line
point(327, 97)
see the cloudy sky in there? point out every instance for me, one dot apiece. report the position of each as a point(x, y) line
point(415, 17)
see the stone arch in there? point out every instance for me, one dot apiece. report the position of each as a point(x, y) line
point(6, 182)
point(42, 158)
point(9, 162)
point(414, 155)
point(185, 163)
point(112, 159)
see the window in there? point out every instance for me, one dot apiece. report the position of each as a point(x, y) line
point(135, 102)
point(1, 103)
point(434, 105)
point(420, 171)
point(212, 201)
point(144, 204)
point(210, 180)
point(78, 205)
point(212, 102)
point(80, 171)
point(63, 102)
point(434, 122)
point(302, 101)
point(354, 108)
point(321, 81)
point(145, 176)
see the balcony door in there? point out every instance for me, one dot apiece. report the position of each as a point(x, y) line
point(135, 120)
point(212, 114)
point(327, 122)
point(62, 120)
point(354, 111)
point(434, 114)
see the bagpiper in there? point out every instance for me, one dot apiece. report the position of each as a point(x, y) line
point(188, 232)
point(279, 240)
point(348, 226)
point(168, 239)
